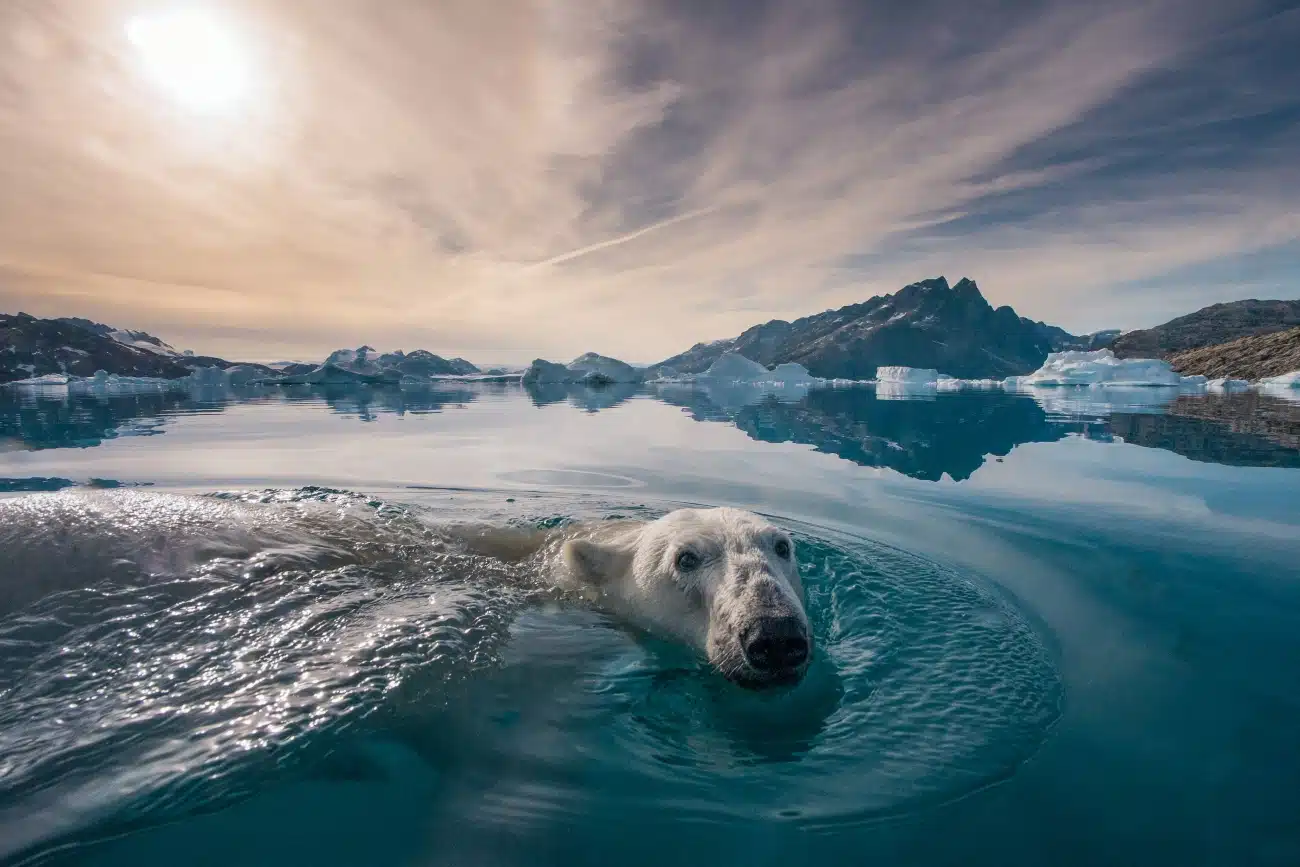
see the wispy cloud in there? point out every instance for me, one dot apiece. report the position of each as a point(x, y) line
point(633, 177)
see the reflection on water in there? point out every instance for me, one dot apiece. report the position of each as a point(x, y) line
point(589, 399)
point(926, 438)
point(929, 437)
point(1247, 429)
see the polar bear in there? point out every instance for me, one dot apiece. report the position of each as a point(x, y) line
point(722, 581)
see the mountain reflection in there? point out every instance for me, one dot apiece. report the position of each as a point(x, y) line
point(928, 438)
point(948, 434)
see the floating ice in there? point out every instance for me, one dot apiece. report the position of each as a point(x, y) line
point(45, 381)
point(1227, 385)
point(910, 375)
point(734, 367)
point(1286, 386)
point(791, 374)
point(1097, 368)
point(1286, 380)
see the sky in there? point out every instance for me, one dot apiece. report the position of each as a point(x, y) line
point(269, 179)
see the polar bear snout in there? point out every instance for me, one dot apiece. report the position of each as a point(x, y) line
point(775, 645)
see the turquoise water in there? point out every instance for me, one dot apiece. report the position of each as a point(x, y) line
point(1061, 631)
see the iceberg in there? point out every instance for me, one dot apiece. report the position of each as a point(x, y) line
point(909, 375)
point(791, 374)
point(48, 380)
point(1223, 386)
point(1099, 368)
point(1286, 380)
point(908, 383)
point(1286, 386)
point(734, 367)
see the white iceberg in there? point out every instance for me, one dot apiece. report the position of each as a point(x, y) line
point(1286, 386)
point(910, 375)
point(1224, 385)
point(48, 380)
point(1099, 368)
point(907, 383)
point(948, 383)
point(791, 374)
point(734, 367)
point(1286, 380)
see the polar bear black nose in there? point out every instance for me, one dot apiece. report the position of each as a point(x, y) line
point(775, 643)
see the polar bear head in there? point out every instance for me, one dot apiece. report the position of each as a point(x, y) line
point(723, 581)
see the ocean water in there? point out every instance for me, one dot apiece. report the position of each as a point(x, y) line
point(1052, 629)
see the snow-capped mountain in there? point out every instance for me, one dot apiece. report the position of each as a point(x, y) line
point(927, 325)
point(32, 347)
point(589, 369)
point(419, 363)
point(138, 339)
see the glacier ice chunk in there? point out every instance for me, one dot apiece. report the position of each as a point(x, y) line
point(734, 367)
point(1224, 385)
point(1098, 368)
point(1285, 380)
point(910, 375)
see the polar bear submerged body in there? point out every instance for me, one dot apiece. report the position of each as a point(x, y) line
point(721, 581)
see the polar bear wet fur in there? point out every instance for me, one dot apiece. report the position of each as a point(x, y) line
point(721, 581)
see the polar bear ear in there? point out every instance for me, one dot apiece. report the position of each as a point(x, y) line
point(597, 563)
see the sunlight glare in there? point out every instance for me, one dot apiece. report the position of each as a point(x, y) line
point(192, 55)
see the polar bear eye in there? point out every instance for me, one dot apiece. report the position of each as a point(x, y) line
point(687, 560)
point(783, 549)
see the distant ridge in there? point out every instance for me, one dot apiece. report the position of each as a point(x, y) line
point(1251, 358)
point(925, 324)
point(1218, 323)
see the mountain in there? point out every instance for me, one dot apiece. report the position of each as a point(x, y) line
point(1218, 323)
point(926, 324)
point(420, 363)
point(1256, 357)
point(138, 339)
point(588, 369)
point(34, 347)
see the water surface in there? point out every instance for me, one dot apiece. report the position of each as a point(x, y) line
point(1052, 629)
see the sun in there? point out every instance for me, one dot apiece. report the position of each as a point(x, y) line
point(194, 56)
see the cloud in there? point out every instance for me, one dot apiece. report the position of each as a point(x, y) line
point(546, 178)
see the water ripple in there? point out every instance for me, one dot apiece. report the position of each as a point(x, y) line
point(142, 698)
